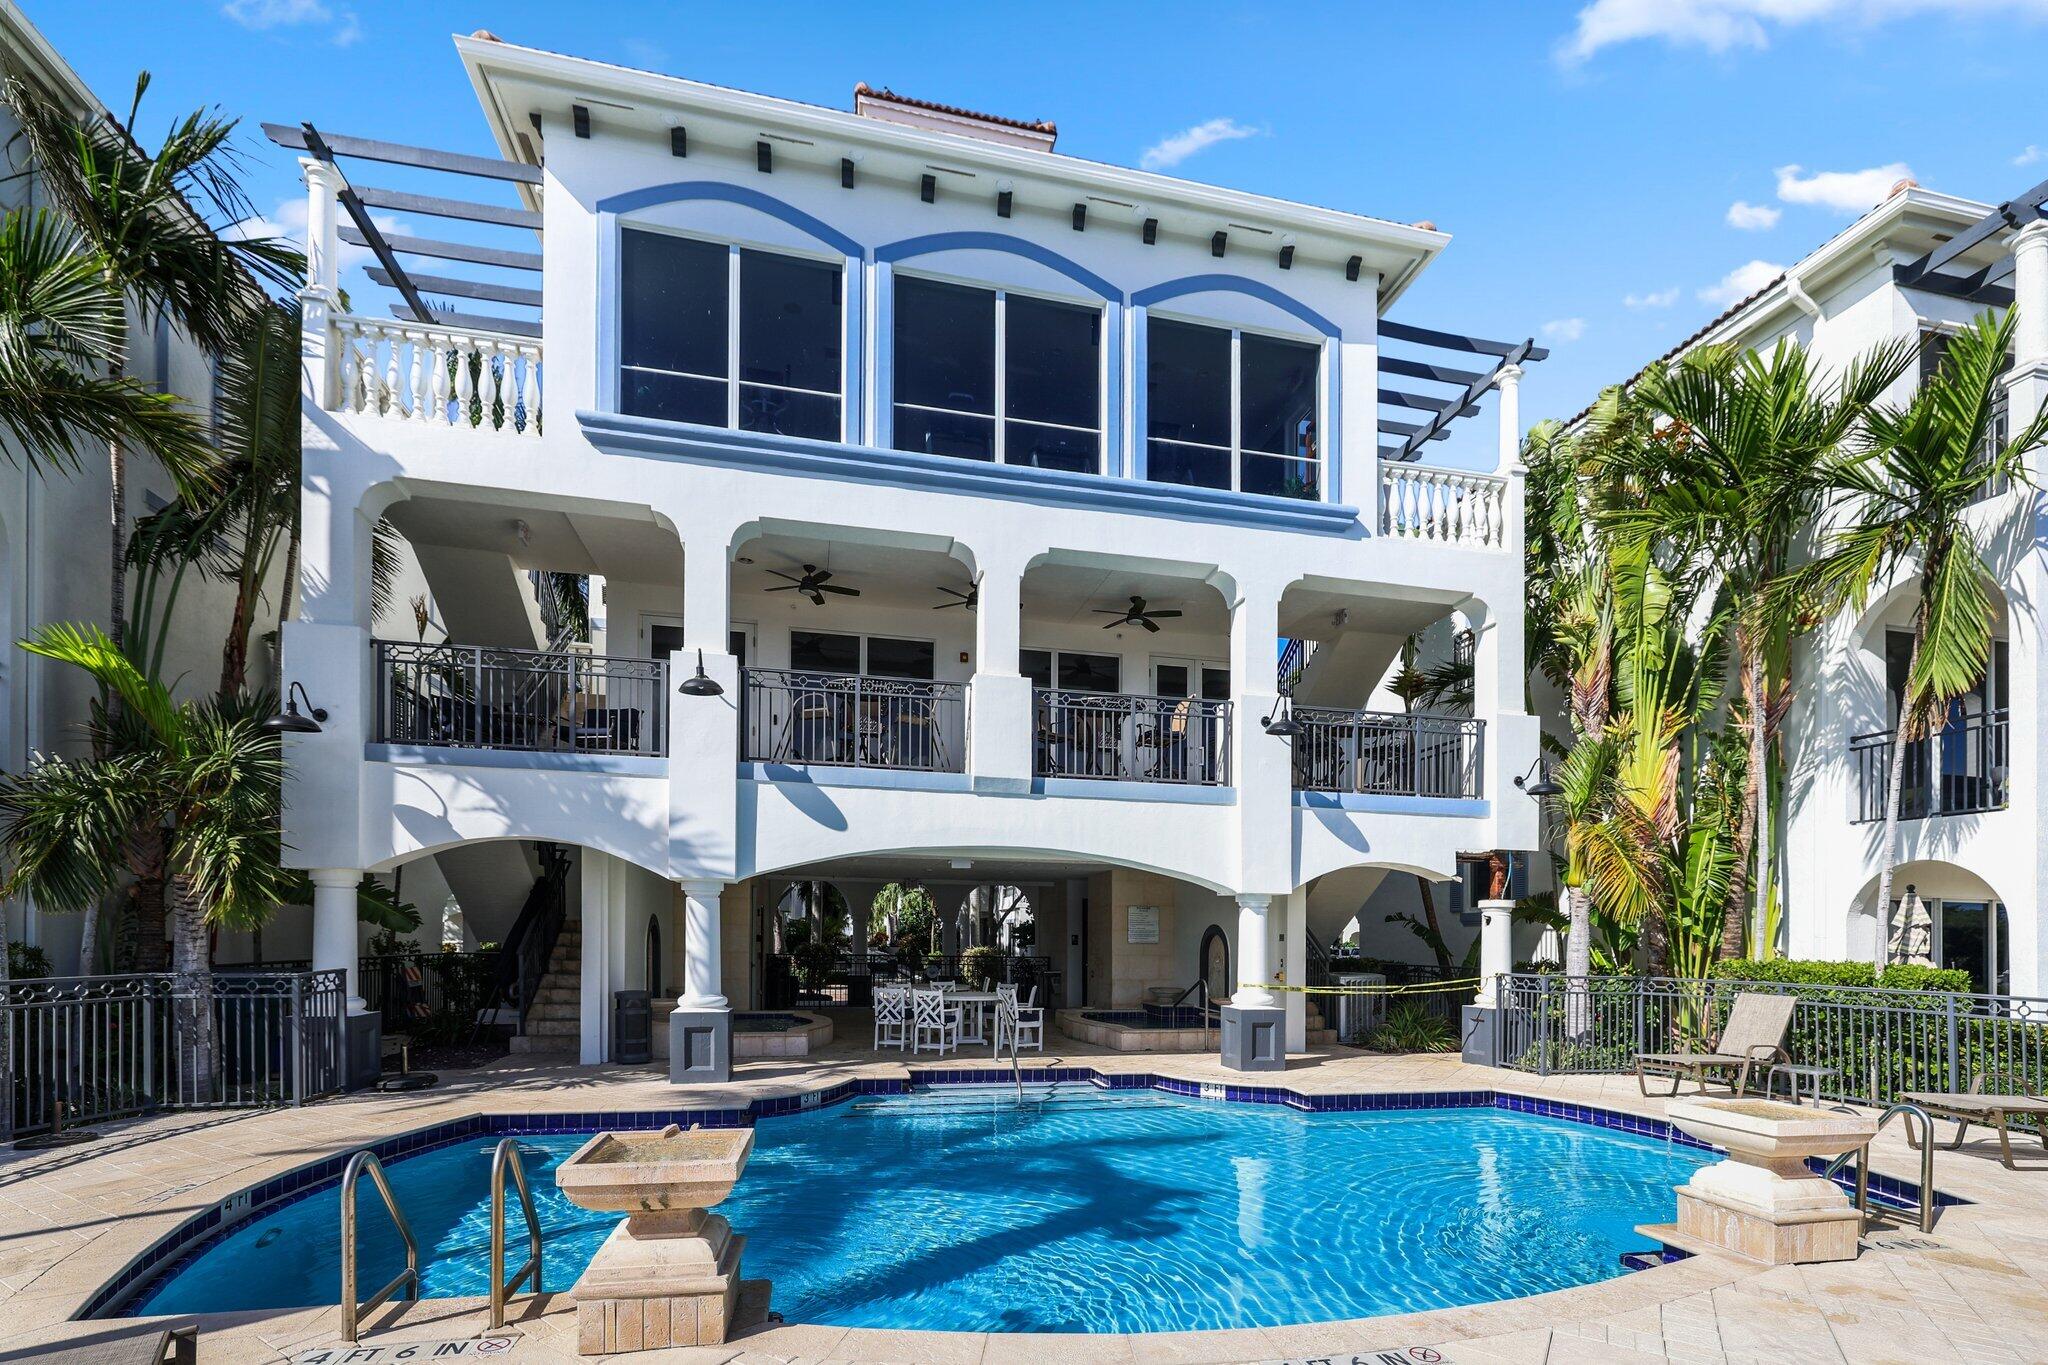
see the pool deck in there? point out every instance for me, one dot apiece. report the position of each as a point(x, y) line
point(1975, 1289)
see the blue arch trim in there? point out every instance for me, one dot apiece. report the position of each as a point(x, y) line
point(998, 241)
point(651, 195)
point(1237, 284)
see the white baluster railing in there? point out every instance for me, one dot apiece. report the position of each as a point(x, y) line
point(1453, 506)
point(443, 376)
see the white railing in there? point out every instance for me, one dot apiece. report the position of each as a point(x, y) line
point(441, 376)
point(1449, 505)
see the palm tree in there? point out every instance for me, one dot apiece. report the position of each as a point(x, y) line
point(136, 213)
point(1730, 476)
point(1909, 487)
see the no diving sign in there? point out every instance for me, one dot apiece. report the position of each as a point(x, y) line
point(473, 1348)
point(1410, 1355)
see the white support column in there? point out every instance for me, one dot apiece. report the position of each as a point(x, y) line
point(1294, 954)
point(702, 967)
point(322, 292)
point(1509, 451)
point(336, 939)
point(1261, 765)
point(1496, 949)
point(2030, 295)
point(999, 696)
point(2026, 394)
point(1254, 955)
point(598, 908)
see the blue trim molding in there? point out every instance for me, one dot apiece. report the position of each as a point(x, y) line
point(430, 756)
point(1237, 284)
point(685, 190)
point(617, 434)
point(1003, 242)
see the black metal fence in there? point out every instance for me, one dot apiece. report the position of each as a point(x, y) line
point(570, 701)
point(1961, 769)
point(100, 1047)
point(853, 720)
point(1127, 738)
point(408, 988)
point(1388, 753)
point(855, 975)
point(1875, 1043)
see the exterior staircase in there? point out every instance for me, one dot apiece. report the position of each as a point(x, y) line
point(555, 1023)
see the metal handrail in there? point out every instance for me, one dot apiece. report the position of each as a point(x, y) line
point(1907, 1110)
point(408, 1279)
point(1200, 987)
point(507, 1158)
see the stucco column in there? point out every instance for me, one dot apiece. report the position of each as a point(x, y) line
point(598, 911)
point(702, 973)
point(321, 293)
point(999, 699)
point(707, 596)
point(1254, 955)
point(336, 944)
point(1294, 959)
point(2030, 295)
point(1261, 765)
point(1496, 949)
point(1510, 448)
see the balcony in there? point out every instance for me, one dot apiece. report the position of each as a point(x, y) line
point(1961, 769)
point(1374, 753)
point(1118, 737)
point(852, 720)
point(534, 701)
point(429, 374)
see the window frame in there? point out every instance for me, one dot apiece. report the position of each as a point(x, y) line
point(1236, 450)
point(1088, 303)
point(1052, 663)
point(734, 250)
point(861, 667)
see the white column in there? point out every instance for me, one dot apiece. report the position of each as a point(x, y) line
point(1510, 448)
point(597, 909)
point(2030, 294)
point(322, 293)
point(1254, 955)
point(702, 967)
point(1294, 957)
point(1261, 765)
point(336, 945)
point(999, 696)
point(1496, 949)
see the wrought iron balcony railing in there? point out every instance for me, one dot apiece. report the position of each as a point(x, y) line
point(852, 720)
point(1125, 738)
point(471, 696)
point(1389, 754)
point(1961, 769)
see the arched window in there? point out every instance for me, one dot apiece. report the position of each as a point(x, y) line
point(654, 955)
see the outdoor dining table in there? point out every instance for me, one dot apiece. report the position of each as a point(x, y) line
point(973, 1001)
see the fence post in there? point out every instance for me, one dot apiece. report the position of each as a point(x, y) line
point(1543, 1031)
point(1639, 989)
point(298, 1040)
point(1953, 1081)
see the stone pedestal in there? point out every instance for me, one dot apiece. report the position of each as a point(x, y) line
point(1763, 1202)
point(1477, 1034)
point(670, 1274)
point(699, 1046)
point(1254, 1038)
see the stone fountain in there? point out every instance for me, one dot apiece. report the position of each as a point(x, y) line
point(670, 1274)
point(1763, 1202)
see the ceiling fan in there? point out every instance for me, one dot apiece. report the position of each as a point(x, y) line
point(814, 584)
point(1134, 615)
point(971, 599)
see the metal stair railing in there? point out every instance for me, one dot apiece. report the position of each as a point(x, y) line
point(352, 1309)
point(507, 1158)
point(1907, 1111)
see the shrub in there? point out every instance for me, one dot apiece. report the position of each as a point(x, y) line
point(979, 966)
point(1409, 1027)
point(814, 962)
point(1899, 976)
point(26, 961)
point(1911, 976)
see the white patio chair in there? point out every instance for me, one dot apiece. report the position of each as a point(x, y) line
point(892, 1017)
point(1025, 1023)
point(933, 1021)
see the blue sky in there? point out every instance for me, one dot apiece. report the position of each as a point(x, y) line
point(1608, 170)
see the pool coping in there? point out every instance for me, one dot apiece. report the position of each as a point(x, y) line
point(170, 1254)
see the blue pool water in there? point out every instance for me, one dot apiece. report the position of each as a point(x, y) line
point(1096, 1212)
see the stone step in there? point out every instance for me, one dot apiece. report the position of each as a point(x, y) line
point(526, 1043)
point(554, 1028)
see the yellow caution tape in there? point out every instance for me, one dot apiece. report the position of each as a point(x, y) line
point(1415, 988)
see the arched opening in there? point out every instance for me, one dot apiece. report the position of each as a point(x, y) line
point(1215, 960)
point(1941, 915)
point(652, 959)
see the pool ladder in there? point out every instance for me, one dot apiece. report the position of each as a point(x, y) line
point(505, 1158)
point(1907, 1112)
point(352, 1309)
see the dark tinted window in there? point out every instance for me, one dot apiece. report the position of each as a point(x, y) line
point(1053, 362)
point(1278, 395)
point(673, 309)
point(1090, 672)
point(1036, 664)
point(815, 651)
point(789, 322)
point(899, 658)
point(1187, 383)
point(945, 346)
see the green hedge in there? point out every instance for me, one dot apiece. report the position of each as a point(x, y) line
point(1899, 976)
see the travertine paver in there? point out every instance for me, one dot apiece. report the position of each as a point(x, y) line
point(1976, 1289)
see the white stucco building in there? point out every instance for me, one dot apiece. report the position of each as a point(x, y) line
point(761, 353)
point(1970, 850)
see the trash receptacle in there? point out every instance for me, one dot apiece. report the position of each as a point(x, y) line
point(632, 1027)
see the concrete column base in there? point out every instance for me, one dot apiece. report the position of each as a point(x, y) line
point(1479, 1034)
point(362, 1049)
point(1254, 1038)
point(647, 1292)
point(699, 1046)
point(1801, 1237)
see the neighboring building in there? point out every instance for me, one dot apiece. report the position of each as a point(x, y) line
point(1972, 865)
point(54, 532)
point(985, 483)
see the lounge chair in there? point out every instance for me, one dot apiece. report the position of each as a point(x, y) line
point(1993, 1110)
point(1753, 1037)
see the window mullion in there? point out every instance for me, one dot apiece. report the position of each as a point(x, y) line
point(1236, 410)
point(732, 339)
point(1002, 370)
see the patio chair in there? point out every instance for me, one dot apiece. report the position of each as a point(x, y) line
point(1025, 1024)
point(1988, 1108)
point(933, 1020)
point(1752, 1038)
point(892, 1017)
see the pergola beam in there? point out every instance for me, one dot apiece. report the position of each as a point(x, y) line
point(1436, 425)
point(352, 204)
point(402, 154)
point(466, 289)
point(452, 251)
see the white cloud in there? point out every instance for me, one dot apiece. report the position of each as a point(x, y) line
point(1740, 282)
point(268, 14)
point(1753, 217)
point(2028, 157)
point(1565, 329)
point(1655, 298)
point(1171, 151)
point(1725, 25)
point(1843, 191)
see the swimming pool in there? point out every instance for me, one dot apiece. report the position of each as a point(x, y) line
point(1079, 1210)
